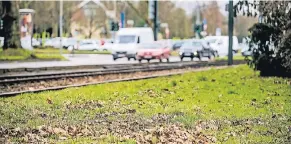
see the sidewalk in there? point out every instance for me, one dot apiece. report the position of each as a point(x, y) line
point(76, 60)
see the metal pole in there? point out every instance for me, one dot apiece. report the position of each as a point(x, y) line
point(230, 32)
point(114, 4)
point(198, 21)
point(156, 20)
point(61, 26)
point(115, 19)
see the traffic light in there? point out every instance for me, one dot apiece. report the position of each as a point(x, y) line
point(153, 15)
point(116, 27)
point(197, 28)
point(151, 11)
point(112, 26)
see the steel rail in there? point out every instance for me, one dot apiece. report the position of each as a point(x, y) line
point(125, 69)
point(104, 68)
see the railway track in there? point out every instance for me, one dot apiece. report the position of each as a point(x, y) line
point(23, 80)
point(10, 79)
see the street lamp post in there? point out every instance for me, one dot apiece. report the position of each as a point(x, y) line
point(61, 26)
point(230, 32)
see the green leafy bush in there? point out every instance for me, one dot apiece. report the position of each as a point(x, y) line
point(269, 39)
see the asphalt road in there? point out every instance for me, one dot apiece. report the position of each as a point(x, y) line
point(81, 59)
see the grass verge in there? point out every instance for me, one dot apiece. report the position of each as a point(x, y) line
point(39, 54)
point(22, 55)
point(54, 50)
point(233, 105)
point(235, 57)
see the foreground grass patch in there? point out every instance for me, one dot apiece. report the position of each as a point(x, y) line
point(234, 105)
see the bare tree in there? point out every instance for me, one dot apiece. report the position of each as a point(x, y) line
point(91, 20)
point(214, 17)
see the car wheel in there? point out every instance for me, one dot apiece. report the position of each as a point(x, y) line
point(105, 50)
point(95, 50)
point(114, 58)
point(199, 56)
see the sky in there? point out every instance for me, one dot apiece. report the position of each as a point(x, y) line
point(189, 5)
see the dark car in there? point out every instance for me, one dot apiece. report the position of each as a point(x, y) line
point(177, 45)
point(196, 48)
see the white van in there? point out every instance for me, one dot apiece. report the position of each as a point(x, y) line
point(128, 40)
point(220, 44)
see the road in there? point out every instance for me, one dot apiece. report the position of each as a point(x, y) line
point(80, 59)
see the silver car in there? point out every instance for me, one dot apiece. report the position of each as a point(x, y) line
point(196, 48)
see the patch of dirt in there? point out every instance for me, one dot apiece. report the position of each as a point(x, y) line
point(158, 129)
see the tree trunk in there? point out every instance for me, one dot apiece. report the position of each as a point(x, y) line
point(91, 26)
point(90, 34)
point(10, 31)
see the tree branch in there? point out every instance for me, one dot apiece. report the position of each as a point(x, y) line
point(137, 12)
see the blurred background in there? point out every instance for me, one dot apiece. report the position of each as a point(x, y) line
point(91, 20)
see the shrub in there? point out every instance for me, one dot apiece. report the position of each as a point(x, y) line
point(270, 39)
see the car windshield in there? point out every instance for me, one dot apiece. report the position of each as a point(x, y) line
point(191, 44)
point(126, 39)
point(187, 44)
point(196, 43)
point(178, 44)
point(151, 46)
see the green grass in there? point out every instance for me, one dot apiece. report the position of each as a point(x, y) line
point(39, 54)
point(45, 56)
point(64, 51)
point(236, 57)
point(15, 54)
point(49, 50)
point(22, 54)
point(227, 96)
